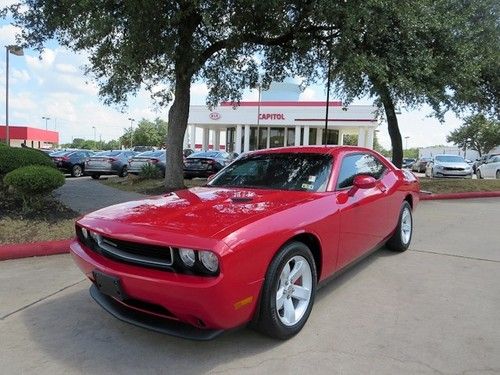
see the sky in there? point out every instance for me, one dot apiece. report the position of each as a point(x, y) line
point(53, 85)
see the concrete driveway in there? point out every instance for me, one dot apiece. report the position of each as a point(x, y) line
point(432, 310)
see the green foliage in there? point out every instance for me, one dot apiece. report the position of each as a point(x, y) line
point(477, 133)
point(33, 182)
point(147, 133)
point(411, 153)
point(350, 139)
point(149, 172)
point(12, 158)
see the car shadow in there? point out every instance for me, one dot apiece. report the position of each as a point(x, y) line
point(72, 329)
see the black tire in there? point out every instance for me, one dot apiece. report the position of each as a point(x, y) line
point(77, 171)
point(123, 172)
point(269, 323)
point(497, 175)
point(95, 176)
point(478, 173)
point(397, 242)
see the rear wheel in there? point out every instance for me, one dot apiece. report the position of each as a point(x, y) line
point(123, 172)
point(77, 171)
point(288, 292)
point(95, 176)
point(400, 240)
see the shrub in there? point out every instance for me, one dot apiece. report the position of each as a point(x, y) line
point(149, 172)
point(12, 158)
point(33, 182)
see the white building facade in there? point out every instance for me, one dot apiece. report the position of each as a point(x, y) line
point(257, 125)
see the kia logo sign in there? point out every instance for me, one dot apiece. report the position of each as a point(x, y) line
point(215, 115)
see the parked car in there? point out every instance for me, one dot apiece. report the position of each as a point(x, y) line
point(482, 160)
point(157, 158)
point(408, 162)
point(206, 163)
point(71, 161)
point(108, 163)
point(420, 165)
point(448, 166)
point(250, 246)
point(139, 149)
point(186, 152)
point(490, 169)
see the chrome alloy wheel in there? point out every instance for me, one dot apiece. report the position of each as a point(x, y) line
point(406, 225)
point(294, 290)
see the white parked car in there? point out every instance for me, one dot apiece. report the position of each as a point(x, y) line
point(490, 168)
point(448, 166)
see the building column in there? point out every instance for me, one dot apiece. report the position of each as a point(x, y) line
point(306, 135)
point(193, 137)
point(297, 135)
point(237, 141)
point(185, 141)
point(361, 137)
point(369, 138)
point(341, 137)
point(246, 139)
point(319, 136)
point(205, 139)
point(217, 139)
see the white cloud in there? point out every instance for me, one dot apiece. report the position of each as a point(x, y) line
point(42, 62)
point(199, 89)
point(66, 68)
point(308, 94)
point(20, 75)
point(8, 34)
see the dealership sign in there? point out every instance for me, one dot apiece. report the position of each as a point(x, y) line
point(271, 116)
point(215, 115)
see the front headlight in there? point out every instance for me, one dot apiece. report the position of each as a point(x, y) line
point(209, 260)
point(187, 256)
point(437, 166)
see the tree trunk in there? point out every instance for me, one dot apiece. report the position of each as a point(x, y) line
point(392, 122)
point(177, 124)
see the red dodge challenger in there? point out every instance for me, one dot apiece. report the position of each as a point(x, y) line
point(249, 247)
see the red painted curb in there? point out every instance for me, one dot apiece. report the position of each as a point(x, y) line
point(472, 194)
point(25, 250)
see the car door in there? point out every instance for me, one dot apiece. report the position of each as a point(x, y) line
point(364, 217)
point(492, 166)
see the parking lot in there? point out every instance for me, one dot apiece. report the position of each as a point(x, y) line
point(433, 309)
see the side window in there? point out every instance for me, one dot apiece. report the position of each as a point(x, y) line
point(356, 164)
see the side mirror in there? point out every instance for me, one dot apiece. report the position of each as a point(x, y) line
point(362, 181)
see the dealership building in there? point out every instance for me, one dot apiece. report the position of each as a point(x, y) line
point(31, 137)
point(254, 125)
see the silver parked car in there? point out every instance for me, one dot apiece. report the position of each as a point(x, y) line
point(448, 166)
point(108, 163)
point(157, 158)
point(490, 168)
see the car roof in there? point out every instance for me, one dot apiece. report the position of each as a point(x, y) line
point(328, 150)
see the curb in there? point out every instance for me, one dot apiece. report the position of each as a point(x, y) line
point(25, 250)
point(472, 194)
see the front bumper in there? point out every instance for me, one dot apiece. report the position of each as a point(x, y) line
point(456, 174)
point(206, 303)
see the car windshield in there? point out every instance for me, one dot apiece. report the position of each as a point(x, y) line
point(205, 154)
point(282, 171)
point(151, 154)
point(450, 159)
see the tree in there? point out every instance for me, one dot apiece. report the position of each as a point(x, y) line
point(167, 45)
point(477, 133)
point(444, 53)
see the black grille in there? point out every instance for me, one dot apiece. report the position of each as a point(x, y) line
point(453, 169)
point(129, 252)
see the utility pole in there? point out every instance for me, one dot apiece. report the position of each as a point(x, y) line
point(18, 51)
point(328, 82)
point(131, 131)
point(46, 121)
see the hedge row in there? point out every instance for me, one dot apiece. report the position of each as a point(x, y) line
point(12, 158)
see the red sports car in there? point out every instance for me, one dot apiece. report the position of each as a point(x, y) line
point(249, 247)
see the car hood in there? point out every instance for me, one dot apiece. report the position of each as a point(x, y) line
point(453, 165)
point(201, 211)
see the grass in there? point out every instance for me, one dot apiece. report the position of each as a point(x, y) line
point(440, 186)
point(22, 230)
point(148, 187)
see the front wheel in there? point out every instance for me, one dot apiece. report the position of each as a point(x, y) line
point(77, 171)
point(478, 173)
point(288, 292)
point(123, 172)
point(400, 240)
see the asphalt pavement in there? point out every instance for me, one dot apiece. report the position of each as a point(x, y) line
point(84, 195)
point(431, 310)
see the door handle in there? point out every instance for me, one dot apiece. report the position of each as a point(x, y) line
point(382, 187)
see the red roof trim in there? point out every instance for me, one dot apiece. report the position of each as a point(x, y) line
point(336, 119)
point(336, 103)
point(29, 134)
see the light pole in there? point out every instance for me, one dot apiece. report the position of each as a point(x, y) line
point(46, 119)
point(131, 131)
point(93, 127)
point(18, 51)
point(406, 139)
